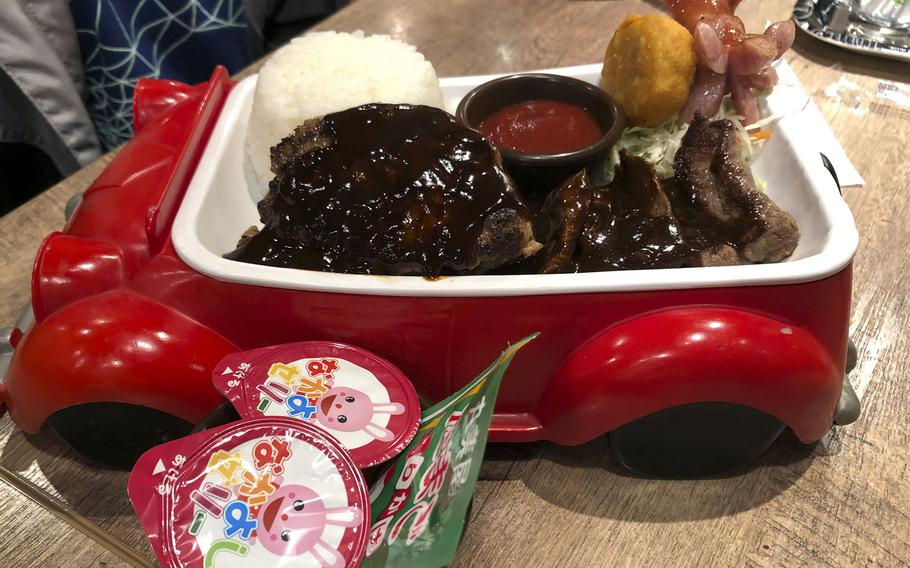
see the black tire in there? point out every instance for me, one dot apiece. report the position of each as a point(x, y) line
point(223, 414)
point(113, 434)
point(703, 439)
point(851, 356)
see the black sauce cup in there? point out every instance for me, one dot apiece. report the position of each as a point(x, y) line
point(539, 173)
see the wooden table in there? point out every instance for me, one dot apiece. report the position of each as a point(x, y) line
point(842, 502)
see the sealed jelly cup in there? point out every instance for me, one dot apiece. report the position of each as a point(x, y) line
point(356, 396)
point(266, 492)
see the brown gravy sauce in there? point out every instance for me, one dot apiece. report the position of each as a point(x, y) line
point(381, 192)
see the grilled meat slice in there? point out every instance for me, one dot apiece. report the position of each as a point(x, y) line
point(716, 195)
point(566, 209)
point(631, 225)
point(718, 255)
point(389, 189)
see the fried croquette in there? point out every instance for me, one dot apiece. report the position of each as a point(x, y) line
point(648, 68)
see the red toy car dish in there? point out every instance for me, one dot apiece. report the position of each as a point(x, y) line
point(120, 318)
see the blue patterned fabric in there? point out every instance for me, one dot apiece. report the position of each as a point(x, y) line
point(123, 40)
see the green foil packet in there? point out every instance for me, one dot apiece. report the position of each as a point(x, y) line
point(419, 506)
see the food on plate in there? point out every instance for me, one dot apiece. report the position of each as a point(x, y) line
point(719, 198)
point(710, 213)
point(541, 126)
point(565, 210)
point(729, 59)
point(708, 98)
point(659, 144)
point(324, 72)
point(631, 224)
point(389, 189)
point(648, 68)
point(404, 189)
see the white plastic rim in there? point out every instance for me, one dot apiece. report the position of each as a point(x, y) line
point(220, 203)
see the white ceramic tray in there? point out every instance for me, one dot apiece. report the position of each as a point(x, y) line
point(220, 204)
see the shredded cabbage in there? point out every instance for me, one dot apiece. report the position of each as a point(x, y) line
point(659, 144)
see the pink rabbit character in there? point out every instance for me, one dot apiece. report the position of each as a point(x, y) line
point(291, 523)
point(350, 410)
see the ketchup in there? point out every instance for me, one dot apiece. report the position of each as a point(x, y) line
point(541, 126)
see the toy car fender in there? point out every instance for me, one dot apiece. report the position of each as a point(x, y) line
point(123, 348)
point(686, 355)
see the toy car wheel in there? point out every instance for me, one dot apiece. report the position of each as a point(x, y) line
point(700, 439)
point(115, 434)
point(223, 414)
point(851, 355)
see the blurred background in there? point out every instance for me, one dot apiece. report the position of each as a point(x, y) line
point(68, 69)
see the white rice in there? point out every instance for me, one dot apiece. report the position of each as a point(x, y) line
point(325, 72)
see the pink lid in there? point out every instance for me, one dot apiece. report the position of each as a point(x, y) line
point(358, 397)
point(268, 492)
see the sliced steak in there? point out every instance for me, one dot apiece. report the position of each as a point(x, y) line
point(389, 189)
point(697, 231)
point(718, 255)
point(566, 210)
point(717, 196)
point(631, 225)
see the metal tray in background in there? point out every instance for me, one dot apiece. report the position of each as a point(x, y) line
point(832, 21)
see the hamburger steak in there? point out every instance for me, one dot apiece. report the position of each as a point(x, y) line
point(390, 189)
